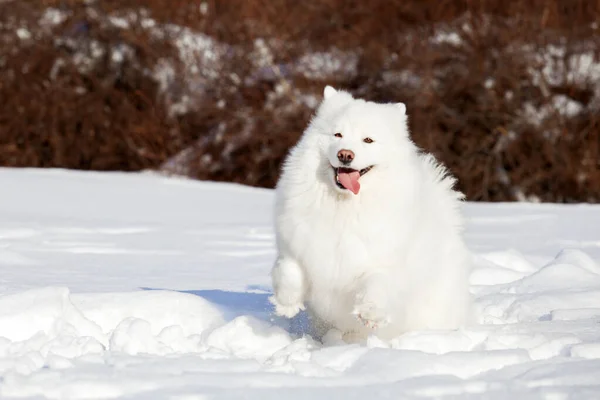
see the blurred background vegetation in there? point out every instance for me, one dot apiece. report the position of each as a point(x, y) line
point(505, 92)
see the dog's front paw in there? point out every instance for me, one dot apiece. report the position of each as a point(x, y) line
point(370, 315)
point(287, 310)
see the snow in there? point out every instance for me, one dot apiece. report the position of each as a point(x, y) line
point(560, 104)
point(141, 286)
point(320, 65)
point(23, 33)
point(555, 67)
point(451, 38)
point(53, 16)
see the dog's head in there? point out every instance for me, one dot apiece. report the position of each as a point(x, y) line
point(358, 138)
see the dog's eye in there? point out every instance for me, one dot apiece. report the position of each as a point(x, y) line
point(368, 140)
point(338, 135)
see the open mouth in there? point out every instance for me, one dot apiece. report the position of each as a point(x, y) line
point(347, 178)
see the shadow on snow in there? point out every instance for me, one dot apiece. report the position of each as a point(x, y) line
point(254, 303)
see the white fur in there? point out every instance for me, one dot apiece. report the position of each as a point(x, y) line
point(387, 260)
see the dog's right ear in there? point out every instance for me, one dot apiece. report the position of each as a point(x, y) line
point(329, 91)
point(402, 107)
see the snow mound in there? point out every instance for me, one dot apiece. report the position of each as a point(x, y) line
point(39, 325)
point(248, 337)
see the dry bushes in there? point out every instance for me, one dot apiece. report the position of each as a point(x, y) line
point(506, 93)
point(79, 100)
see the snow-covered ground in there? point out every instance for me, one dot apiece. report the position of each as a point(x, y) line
point(139, 286)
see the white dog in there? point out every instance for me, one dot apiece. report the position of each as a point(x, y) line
point(369, 232)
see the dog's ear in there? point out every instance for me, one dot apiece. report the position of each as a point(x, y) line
point(329, 91)
point(402, 107)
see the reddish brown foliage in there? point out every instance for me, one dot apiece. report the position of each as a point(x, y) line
point(488, 85)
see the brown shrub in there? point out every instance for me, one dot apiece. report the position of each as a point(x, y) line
point(505, 93)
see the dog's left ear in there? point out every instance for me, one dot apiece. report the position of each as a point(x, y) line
point(402, 107)
point(329, 91)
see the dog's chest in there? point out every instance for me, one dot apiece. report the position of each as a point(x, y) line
point(338, 244)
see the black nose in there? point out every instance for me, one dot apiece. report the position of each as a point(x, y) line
point(345, 156)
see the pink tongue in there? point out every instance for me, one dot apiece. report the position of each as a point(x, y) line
point(349, 180)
